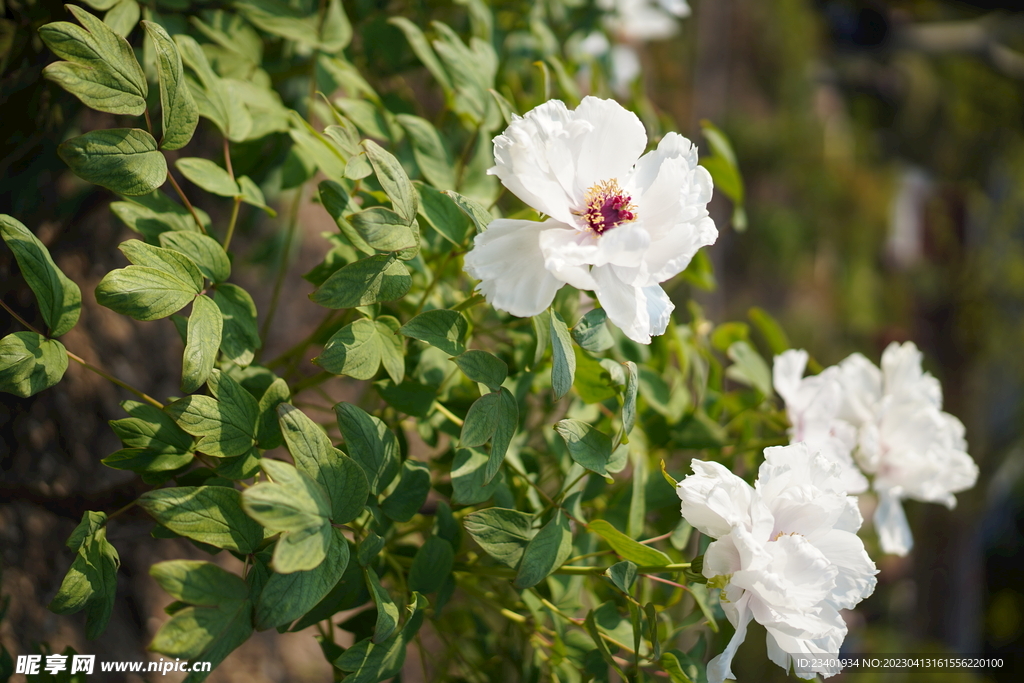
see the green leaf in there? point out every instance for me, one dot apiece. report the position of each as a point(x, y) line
point(91, 582)
point(123, 17)
point(253, 195)
point(493, 416)
point(475, 211)
point(410, 494)
point(169, 261)
point(123, 160)
point(219, 620)
point(101, 69)
point(502, 533)
point(627, 548)
point(213, 96)
point(335, 199)
point(387, 610)
point(629, 398)
point(469, 471)
point(209, 514)
point(369, 548)
point(587, 446)
point(203, 250)
point(154, 213)
point(770, 329)
point(429, 151)
point(441, 328)
point(146, 293)
point(279, 19)
point(146, 460)
point(419, 44)
point(59, 299)
point(357, 350)
point(268, 431)
point(546, 552)
point(240, 337)
point(30, 363)
point(367, 281)
point(442, 214)
point(297, 506)
point(431, 565)
point(226, 424)
point(590, 626)
point(393, 179)
point(203, 341)
point(335, 31)
point(370, 443)
point(410, 397)
point(541, 324)
point(208, 176)
point(483, 367)
point(622, 574)
point(591, 333)
point(384, 230)
point(178, 110)
point(671, 662)
point(722, 165)
point(563, 360)
point(594, 381)
point(749, 368)
point(149, 427)
point(286, 597)
point(341, 477)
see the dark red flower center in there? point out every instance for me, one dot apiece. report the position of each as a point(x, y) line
point(607, 207)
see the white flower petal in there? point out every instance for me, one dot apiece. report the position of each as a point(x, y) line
point(891, 524)
point(535, 158)
point(714, 500)
point(638, 312)
point(794, 574)
point(788, 372)
point(508, 261)
point(902, 375)
point(611, 146)
point(862, 389)
point(782, 646)
point(856, 578)
point(720, 668)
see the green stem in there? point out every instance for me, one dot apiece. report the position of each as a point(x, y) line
point(302, 345)
point(127, 507)
point(186, 202)
point(293, 219)
point(310, 381)
point(231, 224)
point(227, 158)
point(433, 283)
point(449, 414)
point(20, 319)
point(88, 366)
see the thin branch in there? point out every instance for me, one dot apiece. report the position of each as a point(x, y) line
point(184, 199)
point(87, 365)
point(231, 223)
point(293, 219)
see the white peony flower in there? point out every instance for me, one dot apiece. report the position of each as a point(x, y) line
point(642, 20)
point(786, 552)
point(813, 404)
point(913, 448)
point(618, 223)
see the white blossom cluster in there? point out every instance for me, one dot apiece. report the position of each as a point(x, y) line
point(885, 422)
point(617, 222)
point(786, 552)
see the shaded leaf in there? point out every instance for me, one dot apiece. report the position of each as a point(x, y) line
point(59, 299)
point(123, 160)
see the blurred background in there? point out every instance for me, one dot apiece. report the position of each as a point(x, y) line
point(881, 146)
